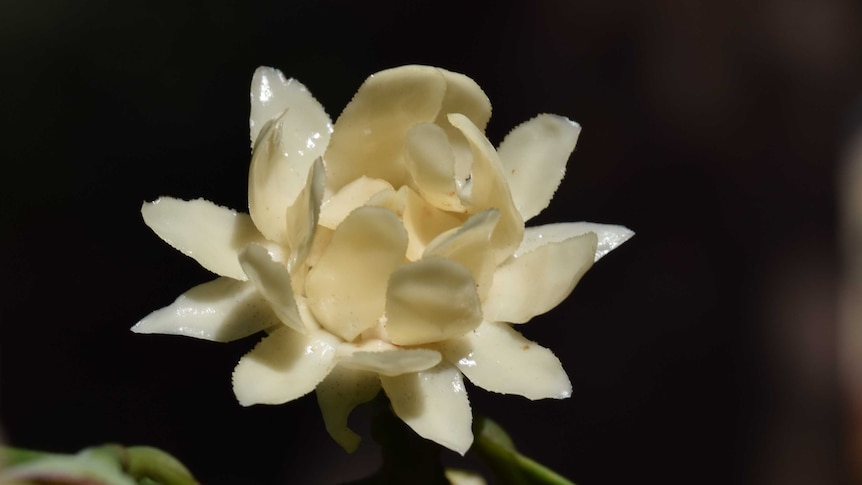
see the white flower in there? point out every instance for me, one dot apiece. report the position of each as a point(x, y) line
point(386, 251)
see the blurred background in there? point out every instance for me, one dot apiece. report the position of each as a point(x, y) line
point(708, 349)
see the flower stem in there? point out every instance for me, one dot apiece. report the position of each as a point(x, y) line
point(495, 447)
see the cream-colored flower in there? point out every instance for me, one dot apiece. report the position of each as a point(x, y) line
point(387, 251)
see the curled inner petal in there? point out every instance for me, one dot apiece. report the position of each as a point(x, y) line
point(431, 300)
point(346, 288)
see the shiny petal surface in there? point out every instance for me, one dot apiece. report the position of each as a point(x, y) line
point(272, 93)
point(369, 135)
point(609, 236)
point(490, 190)
point(346, 288)
point(341, 391)
point(353, 195)
point(430, 159)
point(431, 300)
point(470, 245)
point(280, 166)
point(284, 366)
point(434, 404)
point(392, 362)
point(210, 234)
point(272, 280)
point(221, 310)
point(535, 282)
point(534, 157)
point(497, 358)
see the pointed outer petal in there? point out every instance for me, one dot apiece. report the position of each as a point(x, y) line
point(301, 217)
point(430, 160)
point(271, 94)
point(284, 366)
point(535, 282)
point(431, 300)
point(212, 235)
point(353, 195)
point(392, 362)
point(273, 281)
point(424, 222)
point(434, 403)
point(341, 391)
point(534, 157)
point(470, 245)
point(346, 289)
point(497, 358)
point(369, 134)
point(221, 310)
point(490, 190)
point(609, 236)
point(280, 165)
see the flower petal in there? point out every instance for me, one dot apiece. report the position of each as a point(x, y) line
point(302, 216)
point(369, 135)
point(534, 157)
point(392, 362)
point(272, 280)
point(280, 164)
point(470, 245)
point(434, 403)
point(463, 96)
point(271, 94)
point(341, 391)
point(497, 358)
point(609, 236)
point(431, 300)
point(284, 366)
point(346, 289)
point(430, 159)
point(535, 282)
point(351, 196)
point(424, 222)
point(210, 234)
point(221, 310)
point(490, 189)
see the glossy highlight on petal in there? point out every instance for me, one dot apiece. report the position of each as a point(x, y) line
point(221, 310)
point(497, 358)
point(272, 94)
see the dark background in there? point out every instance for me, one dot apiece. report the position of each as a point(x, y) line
point(703, 351)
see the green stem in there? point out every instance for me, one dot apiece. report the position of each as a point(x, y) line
point(494, 446)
